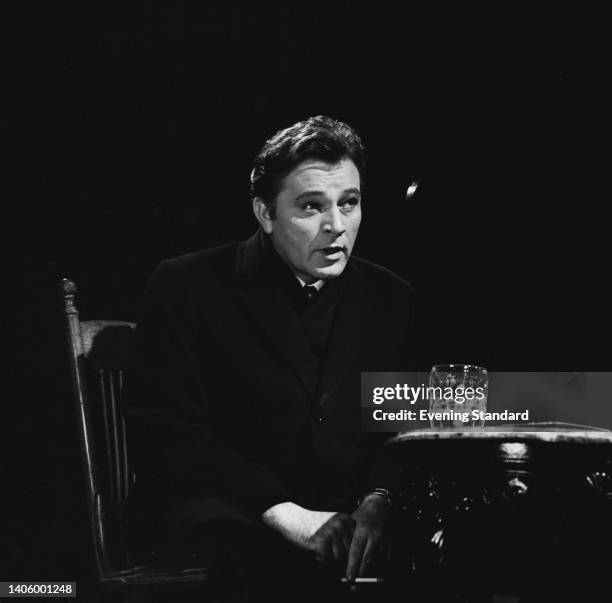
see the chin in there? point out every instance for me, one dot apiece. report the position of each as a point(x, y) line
point(329, 272)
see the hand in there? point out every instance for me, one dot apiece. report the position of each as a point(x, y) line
point(331, 541)
point(370, 545)
point(326, 534)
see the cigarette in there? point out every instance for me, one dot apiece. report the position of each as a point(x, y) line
point(363, 580)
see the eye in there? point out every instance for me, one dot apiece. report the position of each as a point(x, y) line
point(311, 206)
point(347, 205)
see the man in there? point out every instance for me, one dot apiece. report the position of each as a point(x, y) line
point(245, 399)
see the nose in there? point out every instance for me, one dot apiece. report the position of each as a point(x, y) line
point(334, 222)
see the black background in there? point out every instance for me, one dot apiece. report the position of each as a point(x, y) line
point(130, 127)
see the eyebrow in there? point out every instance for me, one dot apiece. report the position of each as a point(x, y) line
point(348, 191)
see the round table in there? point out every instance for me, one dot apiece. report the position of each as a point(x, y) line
point(523, 510)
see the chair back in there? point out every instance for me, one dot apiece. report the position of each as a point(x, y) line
point(100, 351)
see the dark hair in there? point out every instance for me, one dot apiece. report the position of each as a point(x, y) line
point(319, 137)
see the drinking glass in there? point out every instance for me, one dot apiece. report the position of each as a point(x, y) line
point(459, 393)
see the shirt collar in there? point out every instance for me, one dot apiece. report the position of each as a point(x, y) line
point(317, 284)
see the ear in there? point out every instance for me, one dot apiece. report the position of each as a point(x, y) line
point(262, 213)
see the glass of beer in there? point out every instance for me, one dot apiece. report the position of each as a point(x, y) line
point(457, 395)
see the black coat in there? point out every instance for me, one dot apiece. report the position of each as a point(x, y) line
point(228, 398)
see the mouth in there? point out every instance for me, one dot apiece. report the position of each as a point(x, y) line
point(333, 252)
point(333, 249)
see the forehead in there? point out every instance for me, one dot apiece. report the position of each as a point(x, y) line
point(318, 176)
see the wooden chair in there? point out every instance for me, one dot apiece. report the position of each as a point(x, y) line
point(100, 351)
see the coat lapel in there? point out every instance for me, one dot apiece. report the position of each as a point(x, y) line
point(270, 308)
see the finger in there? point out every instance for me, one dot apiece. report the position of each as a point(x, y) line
point(355, 553)
point(343, 541)
point(347, 537)
point(367, 559)
point(344, 538)
point(345, 533)
point(323, 550)
point(338, 551)
point(333, 538)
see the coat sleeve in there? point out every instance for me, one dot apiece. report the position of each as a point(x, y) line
point(177, 453)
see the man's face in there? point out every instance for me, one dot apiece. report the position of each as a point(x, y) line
point(318, 212)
